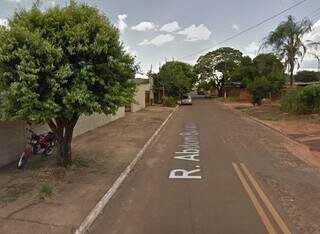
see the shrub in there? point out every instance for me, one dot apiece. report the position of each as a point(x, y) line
point(290, 102)
point(310, 97)
point(265, 86)
point(259, 88)
point(169, 102)
point(307, 76)
point(302, 100)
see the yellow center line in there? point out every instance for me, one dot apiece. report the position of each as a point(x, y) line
point(257, 206)
point(266, 201)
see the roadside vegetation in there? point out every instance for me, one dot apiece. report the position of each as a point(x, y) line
point(304, 100)
point(169, 101)
point(307, 76)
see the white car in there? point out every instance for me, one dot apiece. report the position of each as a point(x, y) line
point(186, 100)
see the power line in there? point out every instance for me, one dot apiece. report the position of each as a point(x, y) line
point(315, 17)
point(315, 14)
point(246, 30)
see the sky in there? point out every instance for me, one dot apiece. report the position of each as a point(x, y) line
point(157, 31)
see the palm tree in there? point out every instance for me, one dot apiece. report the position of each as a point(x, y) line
point(286, 41)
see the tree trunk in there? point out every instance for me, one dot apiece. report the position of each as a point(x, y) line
point(291, 74)
point(220, 88)
point(64, 153)
point(220, 91)
point(63, 129)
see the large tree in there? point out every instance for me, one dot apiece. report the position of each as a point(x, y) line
point(218, 66)
point(268, 79)
point(266, 64)
point(286, 41)
point(246, 71)
point(176, 78)
point(59, 64)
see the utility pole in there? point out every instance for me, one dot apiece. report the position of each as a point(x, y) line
point(163, 91)
point(225, 81)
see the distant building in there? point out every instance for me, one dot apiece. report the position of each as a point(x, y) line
point(144, 95)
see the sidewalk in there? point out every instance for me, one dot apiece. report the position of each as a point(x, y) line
point(100, 157)
point(302, 130)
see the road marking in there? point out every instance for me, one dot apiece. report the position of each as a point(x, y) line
point(266, 201)
point(256, 204)
point(190, 152)
point(184, 174)
point(94, 213)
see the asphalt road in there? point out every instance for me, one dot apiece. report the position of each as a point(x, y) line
point(211, 171)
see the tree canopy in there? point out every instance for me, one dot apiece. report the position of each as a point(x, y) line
point(269, 77)
point(286, 41)
point(218, 65)
point(307, 76)
point(177, 78)
point(267, 64)
point(58, 64)
point(245, 71)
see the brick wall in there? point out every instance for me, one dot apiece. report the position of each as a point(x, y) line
point(245, 96)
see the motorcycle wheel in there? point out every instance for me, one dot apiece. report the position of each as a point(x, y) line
point(23, 159)
point(36, 149)
point(49, 150)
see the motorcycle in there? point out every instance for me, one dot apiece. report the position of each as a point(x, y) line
point(42, 144)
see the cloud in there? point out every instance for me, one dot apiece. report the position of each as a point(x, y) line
point(14, 0)
point(252, 49)
point(196, 33)
point(159, 40)
point(131, 52)
point(170, 27)
point(144, 26)
point(51, 3)
point(313, 36)
point(4, 22)
point(121, 24)
point(235, 26)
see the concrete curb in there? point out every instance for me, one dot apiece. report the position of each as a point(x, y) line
point(94, 213)
point(258, 121)
point(313, 163)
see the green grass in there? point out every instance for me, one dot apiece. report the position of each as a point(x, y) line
point(228, 99)
point(270, 117)
point(46, 191)
point(270, 113)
